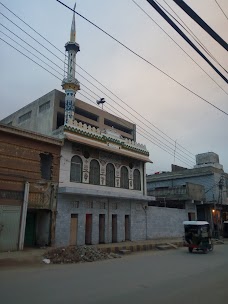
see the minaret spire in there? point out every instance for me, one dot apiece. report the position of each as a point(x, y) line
point(70, 84)
point(73, 28)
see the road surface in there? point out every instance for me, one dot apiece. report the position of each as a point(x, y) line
point(161, 277)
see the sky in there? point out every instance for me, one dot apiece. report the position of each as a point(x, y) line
point(162, 103)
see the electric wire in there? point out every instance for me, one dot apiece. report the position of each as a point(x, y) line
point(158, 145)
point(162, 13)
point(84, 70)
point(154, 138)
point(194, 16)
point(177, 44)
point(30, 58)
point(221, 9)
point(142, 134)
point(90, 75)
point(83, 78)
point(160, 142)
point(144, 130)
point(145, 60)
point(130, 113)
point(190, 32)
point(30, 52)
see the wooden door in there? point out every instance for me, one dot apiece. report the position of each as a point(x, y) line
point(88, 229)
point(102, 228)
point(127, 228)
point(114, 228)
point(73, 229)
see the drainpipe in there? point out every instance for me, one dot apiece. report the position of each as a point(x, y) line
point(23, 216)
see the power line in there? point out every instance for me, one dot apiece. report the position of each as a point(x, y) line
point(157, 144)
point(142, 134)
point(139, 120)
point(190, 32)
point(30, 59)
point(221, 9)
point(154, 138)
point(81, 82)
point(192, 14)
point(89, 75)
point(130, 112)
point(156, 6)
point(147, 61)
point(176, 44)
point(87, 80)
point(30, 52)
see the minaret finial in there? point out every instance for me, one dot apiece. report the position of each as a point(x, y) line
point(73, 27)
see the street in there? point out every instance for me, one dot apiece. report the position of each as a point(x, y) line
point(172, 276)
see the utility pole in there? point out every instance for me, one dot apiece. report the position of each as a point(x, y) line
point(220, 202)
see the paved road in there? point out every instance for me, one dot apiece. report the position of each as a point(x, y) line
point(167, 277)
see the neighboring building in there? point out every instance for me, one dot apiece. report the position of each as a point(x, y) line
point(29, 175)
point(207, 173)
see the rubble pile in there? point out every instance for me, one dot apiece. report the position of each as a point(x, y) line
point(77, 254)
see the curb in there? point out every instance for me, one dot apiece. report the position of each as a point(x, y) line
point(137, 248)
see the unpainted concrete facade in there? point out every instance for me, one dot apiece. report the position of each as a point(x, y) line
point(46, 114)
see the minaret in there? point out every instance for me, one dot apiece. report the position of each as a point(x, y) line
point(70, 84)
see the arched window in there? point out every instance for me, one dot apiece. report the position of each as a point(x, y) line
point(110, 175)
point(137, 180)
point(76, 169)
point(94, 172)
point(124, 182)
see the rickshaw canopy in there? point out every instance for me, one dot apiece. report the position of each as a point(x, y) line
point(195, 223)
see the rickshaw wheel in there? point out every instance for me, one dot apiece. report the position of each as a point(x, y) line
point(190, 249)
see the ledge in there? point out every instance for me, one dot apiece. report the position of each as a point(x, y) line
point(105, 193)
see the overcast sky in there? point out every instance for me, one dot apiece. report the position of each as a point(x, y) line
point(182, 116)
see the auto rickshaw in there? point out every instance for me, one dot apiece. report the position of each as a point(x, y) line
point(198, 236)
